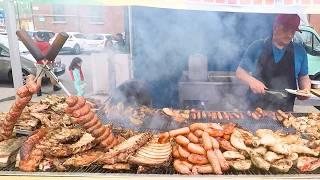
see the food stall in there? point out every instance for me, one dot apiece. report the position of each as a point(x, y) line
point(71, 137)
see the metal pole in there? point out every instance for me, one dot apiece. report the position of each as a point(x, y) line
point(11, 25)
point(130, 43)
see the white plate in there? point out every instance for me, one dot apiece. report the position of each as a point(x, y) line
point(293, 91)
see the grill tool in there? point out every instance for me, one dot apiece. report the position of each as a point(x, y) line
point(277, 93)
point(50, 56)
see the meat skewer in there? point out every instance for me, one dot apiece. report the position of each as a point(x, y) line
point(81, 110)
point(24, 95)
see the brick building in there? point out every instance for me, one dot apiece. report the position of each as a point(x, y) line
point(314, 21)
point(78, 18)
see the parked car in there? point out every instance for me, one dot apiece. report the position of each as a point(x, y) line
point(27, 62)
point(75, 43)
point(311, 42)
point(96, 42)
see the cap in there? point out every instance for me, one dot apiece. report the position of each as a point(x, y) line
point(291, 21)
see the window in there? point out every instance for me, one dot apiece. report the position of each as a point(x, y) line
point(316, 43)
point(58, 13)
point(96, 15)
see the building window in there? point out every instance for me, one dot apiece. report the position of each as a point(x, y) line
point(58, 13)
point(96, 15)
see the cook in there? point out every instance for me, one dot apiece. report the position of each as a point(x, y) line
point(275, 63)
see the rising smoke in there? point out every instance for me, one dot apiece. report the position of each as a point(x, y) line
point(163, 39)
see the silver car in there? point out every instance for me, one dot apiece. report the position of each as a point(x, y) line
point(27, 62)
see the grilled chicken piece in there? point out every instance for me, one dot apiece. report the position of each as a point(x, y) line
point(152, 154)
point(305, 164)
point(281, 148)
point(272, 156)
point(247, 136)
point(237, 140)
point(282, 165)
point(38, 107)
point(258, 161)
point(124, 150)
point(117, 166)
point(293, 157)
point(240, 165)
point(260, 150)
point(301, 149)
point(262, 132)
point(83, 159)
point(267, 140)
point(232, 155)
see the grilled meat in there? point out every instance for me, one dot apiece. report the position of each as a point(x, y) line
point(152, 154)
point(124, 150)
point(272, 156)
point(9, 149)
point(232, 155)
point(306, 164)
point(281, 148)
point(83, 158)
point(301, 149)
point(260, 150)
point(117, 166)
point(240, 165)
point(257, 160)
point(237, 140)
point(282, 165)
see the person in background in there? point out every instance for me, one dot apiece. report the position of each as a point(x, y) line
point(44, 46)
point(120, 43)
point(275, 63)
point(77, 75)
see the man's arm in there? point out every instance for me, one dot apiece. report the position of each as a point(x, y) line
point(255, 85)
point(304, 82)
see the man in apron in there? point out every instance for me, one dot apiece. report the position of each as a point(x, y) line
point(275, 63)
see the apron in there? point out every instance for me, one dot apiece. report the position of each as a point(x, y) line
point(276, 76)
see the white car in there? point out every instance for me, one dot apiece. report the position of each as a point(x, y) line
point(75, 43)
point(96, 42)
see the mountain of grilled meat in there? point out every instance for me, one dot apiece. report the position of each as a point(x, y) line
point(152, 154)
point(122, 151)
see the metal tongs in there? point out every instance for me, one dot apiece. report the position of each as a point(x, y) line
point(277, 93)
point(50, 56)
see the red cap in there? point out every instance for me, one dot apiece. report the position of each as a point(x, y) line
point(291, 21)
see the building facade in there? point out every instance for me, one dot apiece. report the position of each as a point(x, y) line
point(78, 18)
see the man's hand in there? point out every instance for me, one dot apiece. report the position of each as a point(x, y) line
point(257, 86)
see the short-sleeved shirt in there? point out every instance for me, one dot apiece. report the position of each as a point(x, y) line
point(44, 47)
point(252, 55)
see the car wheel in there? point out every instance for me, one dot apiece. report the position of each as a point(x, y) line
point(76, 49)
point(24, 76)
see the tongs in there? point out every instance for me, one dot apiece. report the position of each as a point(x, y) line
point(50, 56)
point(277, 93)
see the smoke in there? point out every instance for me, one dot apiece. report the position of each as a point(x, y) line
point(163, 39)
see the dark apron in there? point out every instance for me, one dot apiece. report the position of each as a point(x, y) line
point(275, 76)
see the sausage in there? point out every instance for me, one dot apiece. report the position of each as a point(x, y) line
point(198, 133)
point(183, 141)
point(254, 116)
point(223, 163)
point(225, 115)
point(228, 128)
point(196, 149)
point(84, 119)
point(259, 111)
point(193, 115)
point(209, 115)
point(231, 116)
point(193, 138)
point(98, 132)
point(183, 152)
point(215, 143)
point(215, 132)
point(204, 115)
point(175, 152)
point(180, 167)
point(199, 115)
point(32, 87)
point(112, 144)
point(215, 126)
point(226, 145)
point(32, 140)
point(202, 169)
point(226, 137)
point(198, 159)
point(104, 137)
point(98, 125)
point(23, 92)
point(283, 114)
point(236, 115)
point(80, 102)
point(241, 115)
point(186, 163)
point(207, 144)
point(196, 126)
point(82, 111)
point(214, 161)
point(219, 115)
point(163, 137)
point(214, 115)
point(71, 100)
point(91, 123)
point(180, 131)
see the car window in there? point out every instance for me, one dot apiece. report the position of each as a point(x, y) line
point(316, 43)
point(95, 37)
point(3, 52)
point(80, 36)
